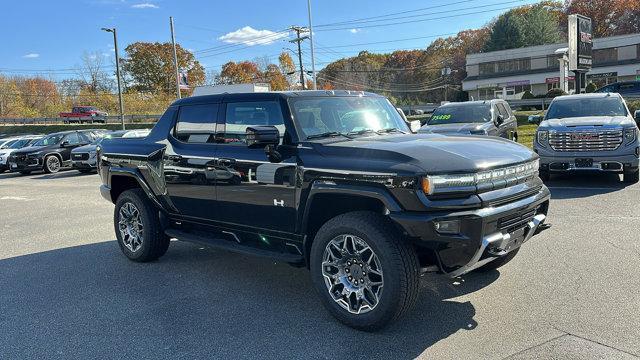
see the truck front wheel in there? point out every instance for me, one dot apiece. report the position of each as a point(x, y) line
point(365, 273)
point(138, 227)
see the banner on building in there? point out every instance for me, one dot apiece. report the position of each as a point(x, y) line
point(580, 43)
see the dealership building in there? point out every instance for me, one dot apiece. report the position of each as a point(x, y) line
point(509, 73)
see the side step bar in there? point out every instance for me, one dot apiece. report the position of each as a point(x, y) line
point(233, 246)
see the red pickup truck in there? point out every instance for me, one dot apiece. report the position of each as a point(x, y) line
point(84, 114)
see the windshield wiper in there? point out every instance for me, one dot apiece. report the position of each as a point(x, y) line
point(388, 130)
point(328, 134)
point(361, 132)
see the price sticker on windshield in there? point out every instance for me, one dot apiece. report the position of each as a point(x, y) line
point(441, 117)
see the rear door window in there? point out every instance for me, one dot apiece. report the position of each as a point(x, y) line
point(197, 123)
point(502, 110)
point(73, 139)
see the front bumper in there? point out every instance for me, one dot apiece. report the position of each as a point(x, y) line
point(84, 165)
point(485, 234)
point(601, 162)
point(28, 164)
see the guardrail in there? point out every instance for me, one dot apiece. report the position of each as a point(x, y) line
point(128, 119)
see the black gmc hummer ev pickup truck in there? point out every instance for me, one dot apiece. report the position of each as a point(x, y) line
point(331, 180)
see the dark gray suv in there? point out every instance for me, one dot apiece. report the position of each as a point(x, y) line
point(489, 117)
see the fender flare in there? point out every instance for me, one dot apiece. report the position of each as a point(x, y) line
point(135, 174)
point(330, 187)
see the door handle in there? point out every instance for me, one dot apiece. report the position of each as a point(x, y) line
point(174, 158)
point(226, 161)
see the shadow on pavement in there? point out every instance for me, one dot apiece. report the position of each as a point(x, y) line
point(91, 302)
point(571, 186)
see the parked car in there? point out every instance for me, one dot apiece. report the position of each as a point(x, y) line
point(84, 158)
point(489, 117)
point(333, 181)
point(7, 148)
point(588, 132)
point(84, 114)
point(51, 153)
point(623, 88)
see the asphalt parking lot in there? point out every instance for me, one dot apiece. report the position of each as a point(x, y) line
point(67, 292)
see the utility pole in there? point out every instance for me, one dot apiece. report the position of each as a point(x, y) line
point(313, 53)
point(175, 57)
point(115, 45)
point(298, 40)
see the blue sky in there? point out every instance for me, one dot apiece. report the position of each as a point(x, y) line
point(53, 35)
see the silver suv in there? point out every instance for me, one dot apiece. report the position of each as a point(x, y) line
point(588, 132)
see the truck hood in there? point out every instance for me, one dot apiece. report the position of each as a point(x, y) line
point(433, 153)
point(85, 148)
point(589, 121)
point(462, 128)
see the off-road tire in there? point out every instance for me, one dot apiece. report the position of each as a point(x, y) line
point(631, 177)
point(49, 160)
point(499, 262)
point(398, 260)
point(155, 243)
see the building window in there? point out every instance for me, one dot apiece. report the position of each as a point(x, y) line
point(514, 65)
point(605, 56)
point(487, 68)
point(522, 88)
point(552, 62)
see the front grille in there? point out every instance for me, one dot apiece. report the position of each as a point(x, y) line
point(82, 156)
point(513, 222)
point(18, 158)
point(585, 140)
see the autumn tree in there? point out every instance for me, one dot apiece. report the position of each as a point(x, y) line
point(288, 68)
point(150, 67)
point(609, 17)
point(243, 72)
point(11, 101)
point(40, 95)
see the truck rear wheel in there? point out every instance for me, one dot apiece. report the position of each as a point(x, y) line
point(365, 273)
point(138, 228)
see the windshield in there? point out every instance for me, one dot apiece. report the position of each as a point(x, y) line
point(345, 115)
point(463, 113)
point(49, 140)
point(19, 144)
point(592, 106)
point(7, 144)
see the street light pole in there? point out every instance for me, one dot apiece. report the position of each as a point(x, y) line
point(175, 57)
point(115, 45)
point(313, 55)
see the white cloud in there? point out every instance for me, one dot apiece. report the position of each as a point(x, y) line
point(145, 6)
point(354, 31)
point(31, 56)
point(250, 36)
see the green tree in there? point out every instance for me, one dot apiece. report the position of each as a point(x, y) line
point(529, 25)
point(150, 67)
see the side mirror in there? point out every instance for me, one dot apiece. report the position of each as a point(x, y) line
point(636, 116)
point(500, 120)
point(262, 136)
point(534, 119)
point(415, 125)
point(64, 143)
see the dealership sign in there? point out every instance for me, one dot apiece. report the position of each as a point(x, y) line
point(602, 75)
point(580, 43)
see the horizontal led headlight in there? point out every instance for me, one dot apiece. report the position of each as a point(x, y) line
point(494, 178)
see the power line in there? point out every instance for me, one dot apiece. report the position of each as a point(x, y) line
point(423, 20)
